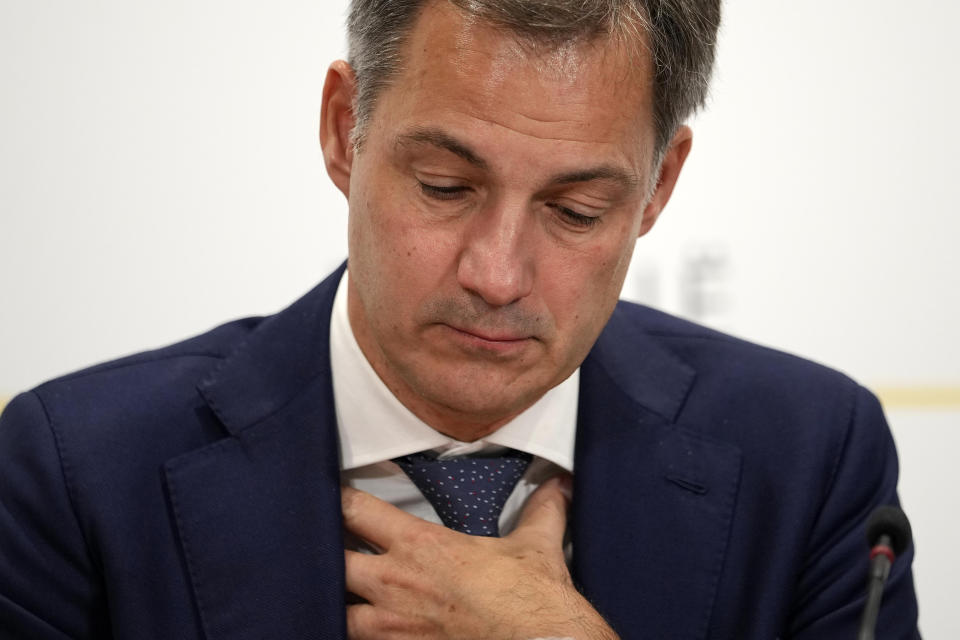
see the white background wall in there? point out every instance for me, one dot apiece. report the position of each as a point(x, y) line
point(159, 174)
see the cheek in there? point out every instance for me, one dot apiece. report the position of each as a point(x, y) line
point(616, 261)
point(403, 256)
point(374, 246)
point(378, 235)
point(584, 287)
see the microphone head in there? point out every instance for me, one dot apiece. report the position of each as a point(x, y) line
point(891, 521)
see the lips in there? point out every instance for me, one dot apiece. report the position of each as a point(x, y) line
point(491, 336)
point(490, 343)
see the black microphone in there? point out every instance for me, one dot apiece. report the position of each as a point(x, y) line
point(889, 535)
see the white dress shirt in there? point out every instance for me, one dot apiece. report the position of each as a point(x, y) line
point(374, 427)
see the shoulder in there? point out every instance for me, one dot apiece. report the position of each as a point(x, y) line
point(148, 380)
point(739, 369)
point(802, 428)
point(782, 411)
point(144, 407)
point(149, 406)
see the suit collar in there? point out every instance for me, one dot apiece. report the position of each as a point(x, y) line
point(286, 353)
point(639, 366)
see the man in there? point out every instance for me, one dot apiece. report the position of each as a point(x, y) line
point(500, 158)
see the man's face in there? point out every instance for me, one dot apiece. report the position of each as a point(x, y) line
point(494, 207)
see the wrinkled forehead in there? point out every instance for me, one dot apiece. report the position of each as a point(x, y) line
point(446, 38)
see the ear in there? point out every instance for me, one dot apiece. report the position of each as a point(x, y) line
point(336, 123)
point(670, 168)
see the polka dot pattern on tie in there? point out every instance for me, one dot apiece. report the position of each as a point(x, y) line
point(467, 493)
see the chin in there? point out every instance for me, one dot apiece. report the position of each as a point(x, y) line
point(486, 401)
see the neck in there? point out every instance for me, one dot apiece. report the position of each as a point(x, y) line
point(455, 424)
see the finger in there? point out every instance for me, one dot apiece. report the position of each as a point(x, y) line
point(362, 573)
point(373, 519)
point(545, 513)
point(361, 622)
point(368, 621)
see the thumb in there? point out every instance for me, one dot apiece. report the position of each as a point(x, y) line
point(545, 514)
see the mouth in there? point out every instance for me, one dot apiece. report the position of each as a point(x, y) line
point(493, 336)
point(500, 342)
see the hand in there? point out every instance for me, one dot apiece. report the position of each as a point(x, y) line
point(433, 582)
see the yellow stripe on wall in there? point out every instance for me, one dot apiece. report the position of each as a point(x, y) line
point(932, 397)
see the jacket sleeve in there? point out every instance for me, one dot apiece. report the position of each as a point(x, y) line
point(832, 586)
point(48, 584)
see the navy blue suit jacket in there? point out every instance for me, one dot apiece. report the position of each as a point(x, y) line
point(193, 491)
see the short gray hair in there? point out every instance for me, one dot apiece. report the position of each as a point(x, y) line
point(680, 34)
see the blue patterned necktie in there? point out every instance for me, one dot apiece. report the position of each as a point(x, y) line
point(467, 493)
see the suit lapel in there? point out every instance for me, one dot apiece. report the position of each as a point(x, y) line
point(258, 513)
point(653, 501)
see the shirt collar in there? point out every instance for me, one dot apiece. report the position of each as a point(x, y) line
point(374, 426)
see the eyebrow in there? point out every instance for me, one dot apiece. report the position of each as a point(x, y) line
point(438, 138)
point(602, 172)
point(443, 140)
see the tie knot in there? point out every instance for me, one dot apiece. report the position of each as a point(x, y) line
point(467, 493)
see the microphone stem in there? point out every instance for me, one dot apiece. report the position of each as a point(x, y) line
point(879, 571)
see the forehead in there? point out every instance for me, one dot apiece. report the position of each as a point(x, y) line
point(476, 74)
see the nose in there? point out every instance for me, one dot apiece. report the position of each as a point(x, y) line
point(496, 261)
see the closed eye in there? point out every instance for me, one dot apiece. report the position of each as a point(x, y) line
point(574, 218)
point(443, 192)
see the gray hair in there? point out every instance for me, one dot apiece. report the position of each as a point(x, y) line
point(680, 35)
